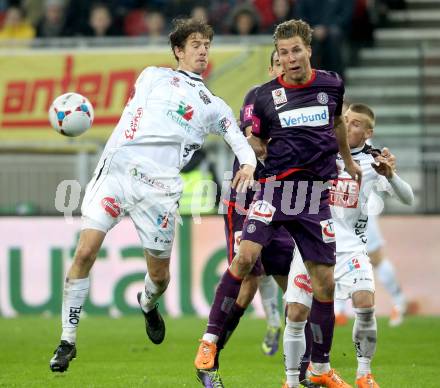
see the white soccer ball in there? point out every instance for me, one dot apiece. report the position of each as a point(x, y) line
point(71, 114)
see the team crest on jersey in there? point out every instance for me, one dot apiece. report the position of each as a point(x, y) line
point(328, 231)
point(354, 264)
point(175, 81)
point(322, 98)
point(185, 110)
point(279, 96)
point(344, 192)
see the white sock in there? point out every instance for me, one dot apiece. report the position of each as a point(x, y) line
point(210, 338)
point(340, 306)
point(320, 368)
point(364, 338)
point(269, 298)
point(75, 294)
point(294, 343)
point(387, 276)
point(151, 294)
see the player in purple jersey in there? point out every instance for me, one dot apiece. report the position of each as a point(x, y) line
point(297, 124)
point(275, 257)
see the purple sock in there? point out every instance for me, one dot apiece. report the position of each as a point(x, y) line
point(305, 361)
point(231, 324)
point(225, 297)
point(322, 324)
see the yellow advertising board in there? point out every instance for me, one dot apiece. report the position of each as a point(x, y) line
point(30, 80)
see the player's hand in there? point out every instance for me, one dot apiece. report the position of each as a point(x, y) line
point(355, 171)
point(391, 158)
point(244, 178)
point(383, 166)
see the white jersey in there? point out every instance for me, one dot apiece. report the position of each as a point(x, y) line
point(350, 205)
point(167, 119)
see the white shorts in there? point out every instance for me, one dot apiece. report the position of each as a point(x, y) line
point(374, 236)
point(122, 186)
point(299, 287)
point(353, 272)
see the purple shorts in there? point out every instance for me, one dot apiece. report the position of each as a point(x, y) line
point(276, 256)
point(303, 210)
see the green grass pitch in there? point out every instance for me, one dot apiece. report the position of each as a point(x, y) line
point(116, 353)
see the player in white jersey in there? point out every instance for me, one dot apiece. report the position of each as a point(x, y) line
point(166, 119)
point(350, 207)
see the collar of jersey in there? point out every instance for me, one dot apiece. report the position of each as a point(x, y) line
point(193, 76)
point(357, 150)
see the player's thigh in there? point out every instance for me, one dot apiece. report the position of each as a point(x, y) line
point(277, 256)
point(314, 236)
point(104, 199)
point(353, 273)
point(322, 279)
point(154, 218)
point(299, 287)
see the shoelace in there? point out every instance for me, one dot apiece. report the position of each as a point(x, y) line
point(215, 379)
point(335, 377)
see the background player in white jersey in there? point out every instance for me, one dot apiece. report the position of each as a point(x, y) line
point(167, 118)
point(386, 275)
point(350, 207)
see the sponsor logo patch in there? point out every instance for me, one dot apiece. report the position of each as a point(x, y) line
point(354, 264)
point(344, 192)
point(224, 124)
point(312, 116)
point(204, 97)
point(185, 110)
point(279, 96)
point(262, 211)
point(328, 231)
point(175, 81)
point(247, 112)
point(111, 206)
point(303, 281)
point(162, 221)
point(134, 124)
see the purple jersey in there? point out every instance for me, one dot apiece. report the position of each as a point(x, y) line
point(299, 121)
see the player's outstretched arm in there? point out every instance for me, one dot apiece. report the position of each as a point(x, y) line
point(259, 146)
point(341, 136)
point(244, 178)
point(385, 164)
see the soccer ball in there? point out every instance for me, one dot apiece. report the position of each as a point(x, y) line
point(71, 114)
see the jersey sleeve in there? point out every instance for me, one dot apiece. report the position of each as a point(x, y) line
point(247, 109)
point(259, 121)
point(143, 83)
point(226, 126)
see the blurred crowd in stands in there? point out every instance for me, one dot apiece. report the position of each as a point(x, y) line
point(332, 20)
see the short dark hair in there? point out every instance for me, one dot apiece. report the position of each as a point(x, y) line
point(272, 55)
point(291, 28)
point(365, 110)
point(183, 28)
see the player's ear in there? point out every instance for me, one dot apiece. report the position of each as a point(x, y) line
point(369, 132)
point(178, 51)
point(309, 50)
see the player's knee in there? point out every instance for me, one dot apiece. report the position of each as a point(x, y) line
point(297, 312)
point(246, 257)
point(84, 256)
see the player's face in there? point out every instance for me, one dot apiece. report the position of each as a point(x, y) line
point(194, 55)
point(275, 70)
point(358, 128)
point(294, 57)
